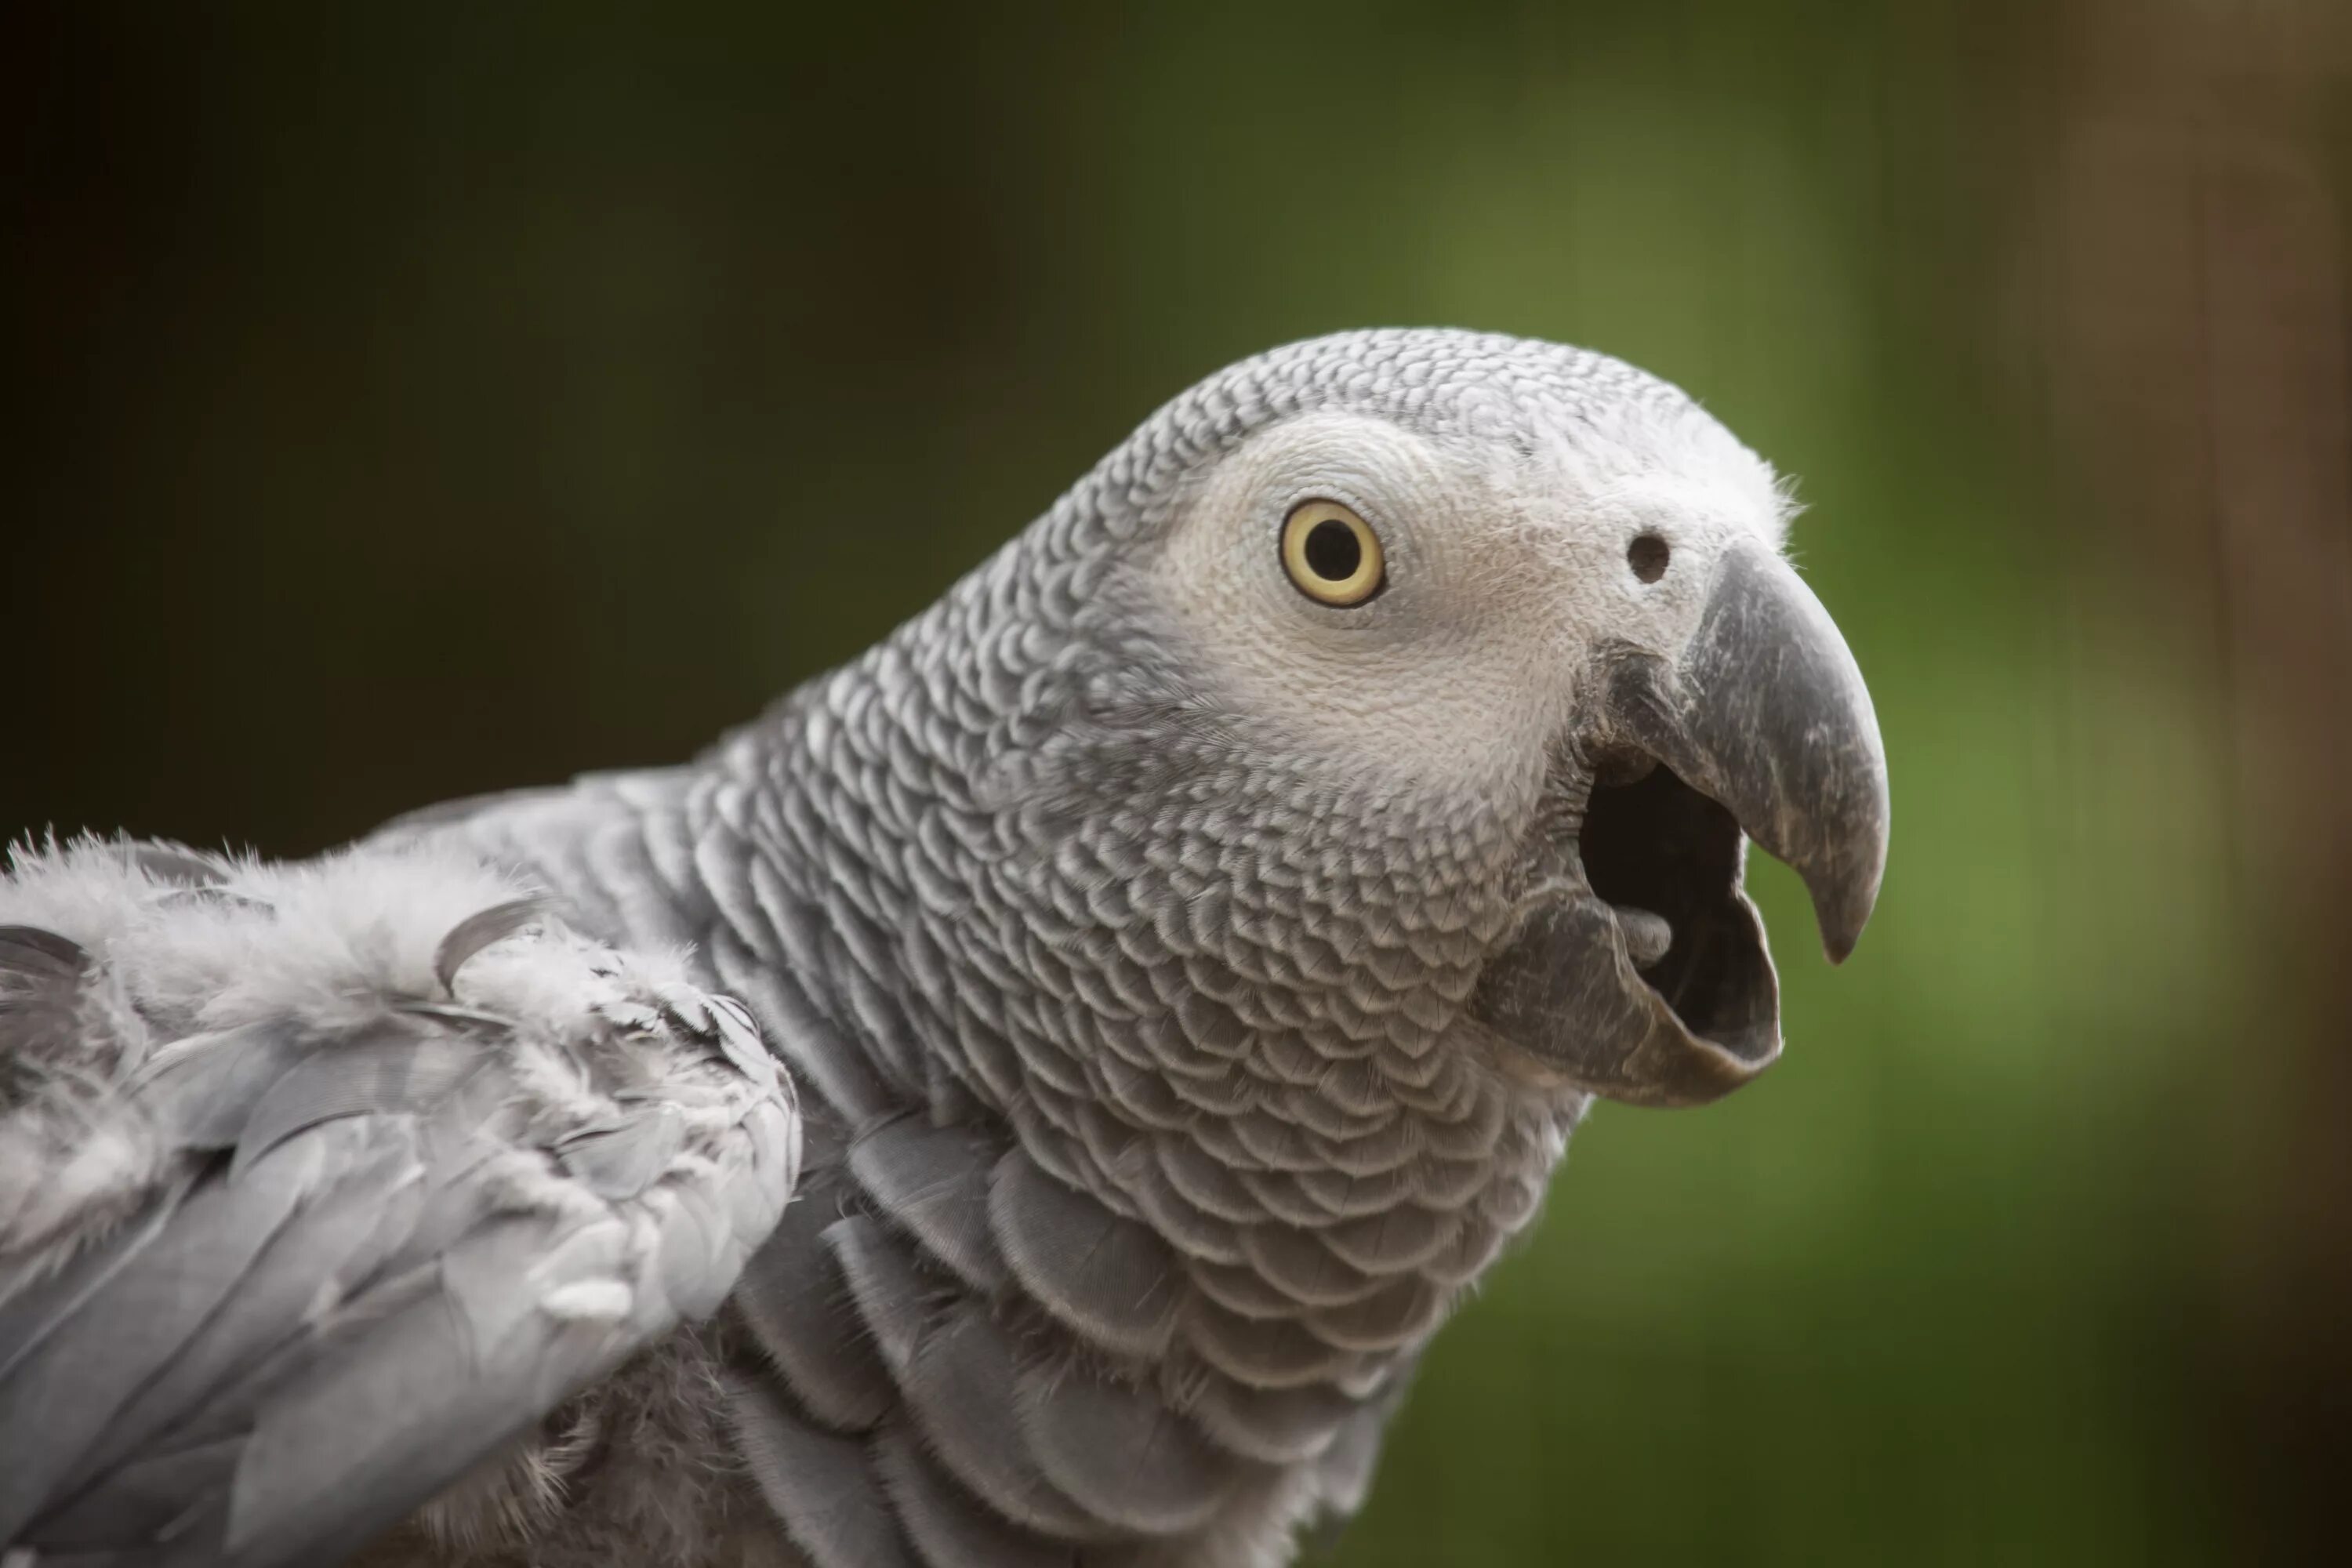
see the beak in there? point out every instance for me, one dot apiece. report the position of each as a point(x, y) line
point(1764, 727)
point(1765, 714)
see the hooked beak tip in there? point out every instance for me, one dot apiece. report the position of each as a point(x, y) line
point(1842, 877)
point(1843, 911)
point(1837, 942)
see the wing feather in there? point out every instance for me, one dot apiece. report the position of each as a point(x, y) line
point(340, 1178)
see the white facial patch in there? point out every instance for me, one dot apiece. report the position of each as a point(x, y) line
point(1510, 560)
point(1508, 563)
point(1441, 676)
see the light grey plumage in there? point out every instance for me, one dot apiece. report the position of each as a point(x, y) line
point(310, 1199)
point(1190, 987)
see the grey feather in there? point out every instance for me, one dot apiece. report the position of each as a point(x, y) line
point(738, 1037)
point(1399, 1314)
point(202, 1091)
point(699, 1256)
point(1270, 1353)
point(1279, 1425)
point(795, 1298)
point(30, 954)
point(387, 1072)
point(934, 1182)
point(174, 865)
point(147, 1501)
point(820, 1055)
point(428, 1397)
point(365, 1202)
point(893, 1297)
point(476, 932)
point(823, 1486)
point(1346, 1467)
point(949, 1529)
point(62, 1389)
point(1112, 1280)
point(620, 1160)
point(963, 1389)
point(1294, 1262)
point(36, 1302)
point(1122, 1455)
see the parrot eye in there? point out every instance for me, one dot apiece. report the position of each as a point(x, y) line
point(1332, 555)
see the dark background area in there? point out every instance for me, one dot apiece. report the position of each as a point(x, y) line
point(412, 403)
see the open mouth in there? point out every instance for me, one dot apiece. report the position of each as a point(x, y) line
point(1645, 976)
point(1668, 861)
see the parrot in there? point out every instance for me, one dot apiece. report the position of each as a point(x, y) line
point(1029, 1096)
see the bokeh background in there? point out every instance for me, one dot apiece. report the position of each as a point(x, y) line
point(409, 403)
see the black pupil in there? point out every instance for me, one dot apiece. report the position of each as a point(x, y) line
point(1332, 550)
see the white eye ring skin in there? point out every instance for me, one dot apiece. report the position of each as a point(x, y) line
point(1332, 555)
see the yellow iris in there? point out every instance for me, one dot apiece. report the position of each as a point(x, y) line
point(1332, 555)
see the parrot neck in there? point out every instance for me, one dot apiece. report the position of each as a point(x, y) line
point(1205, 990)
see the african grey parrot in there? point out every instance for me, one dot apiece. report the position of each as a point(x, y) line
point(1162, 976)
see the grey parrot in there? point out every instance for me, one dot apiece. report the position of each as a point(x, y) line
point(1030, 1096)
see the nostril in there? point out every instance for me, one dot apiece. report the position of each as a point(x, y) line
point(1648, 556)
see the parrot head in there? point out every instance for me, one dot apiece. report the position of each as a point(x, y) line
point(1481, 649)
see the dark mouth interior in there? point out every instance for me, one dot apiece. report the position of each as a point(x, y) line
point(1656, 844)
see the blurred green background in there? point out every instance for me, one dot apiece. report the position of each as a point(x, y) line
point(409, 404)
